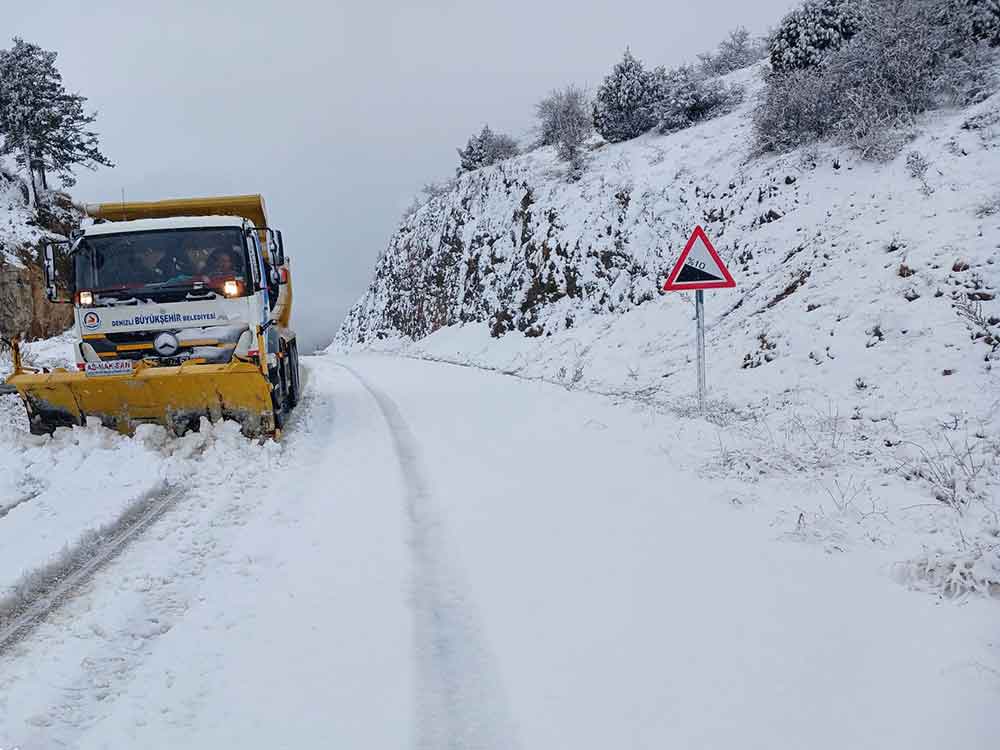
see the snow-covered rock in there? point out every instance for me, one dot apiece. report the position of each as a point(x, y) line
point(24, 310)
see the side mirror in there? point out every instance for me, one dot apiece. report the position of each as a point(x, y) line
point(279, 255)
point(49, 266)
point(256, 259)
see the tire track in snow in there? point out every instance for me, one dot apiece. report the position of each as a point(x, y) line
point(459, 700)
point(26, 497)
point(42, 591)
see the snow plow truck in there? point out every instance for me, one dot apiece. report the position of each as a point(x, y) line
point(182, 311)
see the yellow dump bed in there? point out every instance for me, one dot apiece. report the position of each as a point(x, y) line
point(248, 206)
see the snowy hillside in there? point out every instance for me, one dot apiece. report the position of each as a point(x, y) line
point(859, 350)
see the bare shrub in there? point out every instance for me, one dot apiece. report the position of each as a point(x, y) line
point(988, 207)
point(845, 494)
point(952, 465)
point(738, 50)
point(972, 568)
point(887, 75)
point(796, 110)
point(428, 192)
point(981, 327)
point(565, 121)
point(917, 166)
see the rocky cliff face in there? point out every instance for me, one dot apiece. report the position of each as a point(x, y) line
point(24, 309)
point(518, 247)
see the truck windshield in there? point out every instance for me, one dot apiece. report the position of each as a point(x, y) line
point(127, 263)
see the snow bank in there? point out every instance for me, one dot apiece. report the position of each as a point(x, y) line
point(57, 491)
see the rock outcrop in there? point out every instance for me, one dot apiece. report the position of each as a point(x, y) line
point(24, 309)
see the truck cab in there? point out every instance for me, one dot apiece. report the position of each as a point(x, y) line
point(171, 290)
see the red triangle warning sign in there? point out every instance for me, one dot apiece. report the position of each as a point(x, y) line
point(699, 267)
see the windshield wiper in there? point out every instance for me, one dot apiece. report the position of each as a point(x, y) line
point(154, 288)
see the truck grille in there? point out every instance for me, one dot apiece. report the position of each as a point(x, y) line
point(214, 344)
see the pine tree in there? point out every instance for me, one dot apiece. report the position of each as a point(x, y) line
point(43, 125)
point(808, 33)
point(738, 50)
point(485, 149)
point(623, 106)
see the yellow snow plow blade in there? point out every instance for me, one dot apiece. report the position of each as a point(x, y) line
point(175, 397)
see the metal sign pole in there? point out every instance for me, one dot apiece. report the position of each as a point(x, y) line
point(698, 268)
point(699, 304)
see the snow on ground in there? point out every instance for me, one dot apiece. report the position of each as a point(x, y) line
point(266, 609)
point(60, 494)
point(630, 600)
point(54, 352)
point(54, 490)
point(438, 556)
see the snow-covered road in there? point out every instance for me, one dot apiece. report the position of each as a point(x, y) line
point(438, 557)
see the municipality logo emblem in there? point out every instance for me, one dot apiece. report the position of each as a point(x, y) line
point(91, 321)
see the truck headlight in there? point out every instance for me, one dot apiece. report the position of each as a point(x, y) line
point(86, 299)
point(231, 289)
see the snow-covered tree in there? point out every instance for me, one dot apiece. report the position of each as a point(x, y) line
point(684, 97)
point(908, 56)
point(485, 149)
point(738, 50)
point(983, 19)
point(565, 122)
point(43, 125)
point(812, 30)
point(624, 104)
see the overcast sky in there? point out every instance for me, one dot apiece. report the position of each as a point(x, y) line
point(337, 112)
